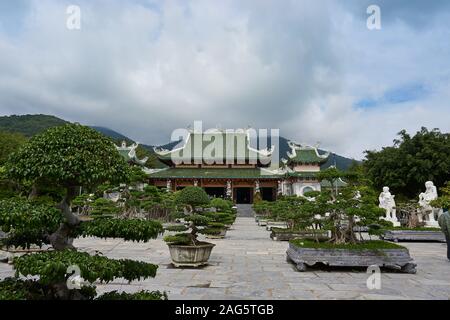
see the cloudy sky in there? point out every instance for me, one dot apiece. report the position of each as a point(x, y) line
point(310, 68)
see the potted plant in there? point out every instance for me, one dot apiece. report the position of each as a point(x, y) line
point(340, 211)
point(185, 249)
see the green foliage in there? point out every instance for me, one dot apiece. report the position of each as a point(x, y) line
point(84, 203)
point(6, 186)
point(263, 207)
point(198, 219)
point(137, 175)
point(9, 143)
point(220, 204)
point(141, 295)
point(70, 155)
point(192, 196)
point(297, 212)
point(156, 203)
point(332, 175)
point(51, 267)
point(27, 223)
point(128, 229)
point(102, 206)
point(410, 162)
point(29, 125)
point(18, 289)
point(179, 228)
point(206, 221)
point(179, 239)
point(443, 201)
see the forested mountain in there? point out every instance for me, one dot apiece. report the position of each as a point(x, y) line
point(29, 125)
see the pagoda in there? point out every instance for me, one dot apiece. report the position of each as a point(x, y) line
point(129, 154)
point(227, 165)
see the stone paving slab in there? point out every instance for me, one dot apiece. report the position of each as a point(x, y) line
point(248, 265)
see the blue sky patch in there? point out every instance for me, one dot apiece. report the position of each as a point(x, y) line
point(407, 93)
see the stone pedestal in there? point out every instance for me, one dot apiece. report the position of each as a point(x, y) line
point(431, 224)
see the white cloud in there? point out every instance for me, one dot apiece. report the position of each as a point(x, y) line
point(145, 68)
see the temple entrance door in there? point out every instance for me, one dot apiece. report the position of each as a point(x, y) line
point(268, 194)
point(244, 195)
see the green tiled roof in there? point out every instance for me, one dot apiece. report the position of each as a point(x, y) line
point(301, 174)
point(307, 156)
point(126, 156)
point(213, 146)
point(204, 173)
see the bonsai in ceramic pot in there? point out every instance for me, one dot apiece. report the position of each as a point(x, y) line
point(185, 249)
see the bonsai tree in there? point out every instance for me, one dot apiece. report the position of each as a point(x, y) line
point(150, 203)
point(299, 213)
point(348, 208)
point(408, 213)
point(221, 204)
point(190, 199)
point(102, 206)
point(262, 208)
point(70, 157)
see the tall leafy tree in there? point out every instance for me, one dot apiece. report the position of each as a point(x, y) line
point(70, 156)
point(410, 162)
point(9, 142)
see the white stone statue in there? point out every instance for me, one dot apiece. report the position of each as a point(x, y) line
point(195, 183)
point(169, 186)
point(229, 190)
point(426, 211)
point(257, 186)
point(387, 202)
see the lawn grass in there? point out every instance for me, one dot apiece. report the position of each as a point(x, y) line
point(366, 245)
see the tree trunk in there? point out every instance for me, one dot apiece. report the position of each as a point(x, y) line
point(61, 238)
point(62, 292)
point(34, 192)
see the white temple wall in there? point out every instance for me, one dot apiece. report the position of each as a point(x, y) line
point(299, 188)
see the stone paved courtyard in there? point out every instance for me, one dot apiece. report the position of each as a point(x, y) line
point(249, 265)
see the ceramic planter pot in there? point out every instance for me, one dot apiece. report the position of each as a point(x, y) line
point(190, 256)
